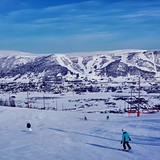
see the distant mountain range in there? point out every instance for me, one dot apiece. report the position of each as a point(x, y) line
point(19, 67)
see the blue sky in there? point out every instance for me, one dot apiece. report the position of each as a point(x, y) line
point(51, 26)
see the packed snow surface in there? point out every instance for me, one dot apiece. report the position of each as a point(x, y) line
point(64, 135)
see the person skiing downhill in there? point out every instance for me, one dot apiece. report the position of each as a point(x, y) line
point(29, 127)
point(125, 139)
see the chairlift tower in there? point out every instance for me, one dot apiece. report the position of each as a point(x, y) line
point(138, 113)
point(28, 99)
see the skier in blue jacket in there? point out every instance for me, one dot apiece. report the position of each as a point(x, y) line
point(125, 139)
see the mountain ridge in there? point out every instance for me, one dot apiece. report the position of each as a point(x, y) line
point(100, 65)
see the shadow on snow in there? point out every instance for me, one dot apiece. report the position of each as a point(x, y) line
point(84, 134)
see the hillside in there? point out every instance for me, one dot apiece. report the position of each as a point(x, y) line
point(92, 66)
point(67, 136)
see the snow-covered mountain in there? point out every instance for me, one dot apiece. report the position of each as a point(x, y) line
point(93, 65)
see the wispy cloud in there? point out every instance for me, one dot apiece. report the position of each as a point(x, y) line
point(83, 21)
point(142, 14)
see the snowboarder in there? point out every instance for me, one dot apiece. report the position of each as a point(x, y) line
point(125, 139)
point(85, 118)
point(29, 127)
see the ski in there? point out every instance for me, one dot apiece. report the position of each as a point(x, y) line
point(126, 150)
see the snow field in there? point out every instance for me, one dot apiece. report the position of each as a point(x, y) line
point(64, 135)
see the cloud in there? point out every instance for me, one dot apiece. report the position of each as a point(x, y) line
point(65, 18)
point(63, 43)
point(142, 14)
point(84, 24)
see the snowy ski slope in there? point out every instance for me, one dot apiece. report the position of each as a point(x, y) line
point(60, 135)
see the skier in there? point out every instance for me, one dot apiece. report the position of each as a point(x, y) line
point(125, 139)
point(85, 118)
point(107, 117)
point(29, 127)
